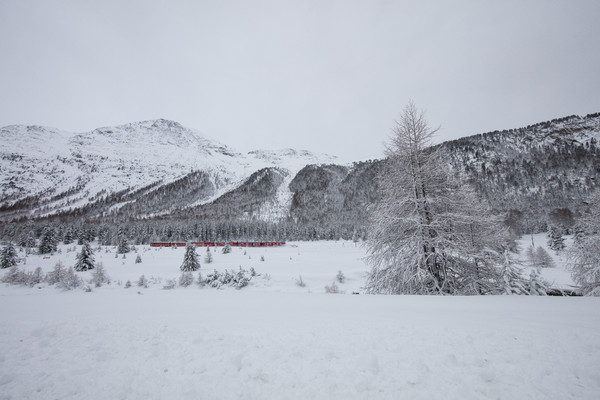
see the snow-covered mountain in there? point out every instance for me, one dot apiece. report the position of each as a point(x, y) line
point(46, 171)
point(535, 175)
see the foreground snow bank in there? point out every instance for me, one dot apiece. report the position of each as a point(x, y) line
point(208, 344)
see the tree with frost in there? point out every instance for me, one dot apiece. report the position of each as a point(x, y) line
point(57, 274)
point(48, 242)
point(99, 276)
point(429, 233)
point(227, 248)
point(190, 259)
point(8, 258)
point(138, 259)
point(537, 286)
point(512, 276)
point(555, 238)
point(208, 258)
point(85, 259)
point(123, 246)
point(584, 256)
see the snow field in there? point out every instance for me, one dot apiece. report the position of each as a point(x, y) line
point(275, 340)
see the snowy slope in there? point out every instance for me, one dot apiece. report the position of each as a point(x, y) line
point(50, 171)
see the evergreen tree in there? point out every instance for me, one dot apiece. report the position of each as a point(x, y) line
point(123, 246)
point(537, 287)
point(138, 259)
point(8, 257)
point(48, 242)
point(555, 238)
point(85, 259)
point(69, 236)
point(208, 258)
point(190, 259)
point(512, 276)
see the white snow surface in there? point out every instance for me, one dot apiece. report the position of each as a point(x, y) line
point(276, 340)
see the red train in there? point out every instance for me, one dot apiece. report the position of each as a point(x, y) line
point(213, 244)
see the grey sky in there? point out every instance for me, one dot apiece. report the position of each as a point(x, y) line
point(321, 75)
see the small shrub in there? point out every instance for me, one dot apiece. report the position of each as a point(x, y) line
point(127, 284)
point(142, 282)
point(99, 276)
point(332, 289)
point(340, 277)
point(69, 280)
point(262, 258)
point(138, 259)
point(170, 284)
point(300, 282)
point(56, 275)
point(226, 249)
point(186, 279)
point(14, 276)
point(208, 258)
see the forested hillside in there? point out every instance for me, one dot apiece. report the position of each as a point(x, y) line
point(182, 186)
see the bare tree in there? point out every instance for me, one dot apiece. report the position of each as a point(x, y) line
point(429, 233)
point(584, 256)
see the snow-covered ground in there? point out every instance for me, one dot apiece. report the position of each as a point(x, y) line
point(276, 340)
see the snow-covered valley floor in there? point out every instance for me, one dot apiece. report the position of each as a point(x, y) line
point(276, 340)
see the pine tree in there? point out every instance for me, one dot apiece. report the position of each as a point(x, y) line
point(48, 242)
point(123, 246)
point(85, 259)
point(190, 259)
point(208, 258)
point(138, 259)
point(555, 238)
point(537, 287)
point(9, 256)
point(512, 276)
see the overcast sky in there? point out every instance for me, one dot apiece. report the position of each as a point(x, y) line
point(321, 75)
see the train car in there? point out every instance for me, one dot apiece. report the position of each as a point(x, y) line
point(217, 244)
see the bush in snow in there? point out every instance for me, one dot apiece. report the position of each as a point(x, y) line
point(99, 276)
point(512, 276)
point(300, 282)
point(170, 284)
point(262, 258)
point(138, 259)
point(34, 278)
point(8, 258)
point(332, 289)
point(69, 280)
point(127, 284)
point(142, 282)
point(186, 279)
point(85, 259)
point(231, 278)
point(340, 277)
point(57, 274)
point(190, 259)
point(227, 248)
point(14, 276)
